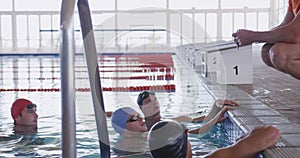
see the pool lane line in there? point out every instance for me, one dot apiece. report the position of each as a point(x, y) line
point(149, 77)
point(157, 88)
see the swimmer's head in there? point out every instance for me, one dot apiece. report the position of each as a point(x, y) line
point(168, 139)
point(119, 118)
point(19, 105)
point(143, 95)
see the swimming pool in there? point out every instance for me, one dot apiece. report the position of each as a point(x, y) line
point(123, 76)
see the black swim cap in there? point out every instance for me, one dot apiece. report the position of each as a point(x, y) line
point(168, 139)
point(142, 96)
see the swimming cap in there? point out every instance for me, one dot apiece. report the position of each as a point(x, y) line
point(142, 96)
point(119, 118)
point(168, 139)
point(18, 106)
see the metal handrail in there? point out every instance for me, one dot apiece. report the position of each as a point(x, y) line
point(94, 76)
point(67, 50)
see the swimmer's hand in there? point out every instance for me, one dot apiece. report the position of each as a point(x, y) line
point(221, 103)
point(108, 113)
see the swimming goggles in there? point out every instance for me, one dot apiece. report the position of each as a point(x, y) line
point(30, 106)
point(133, 118)
point(143, 95)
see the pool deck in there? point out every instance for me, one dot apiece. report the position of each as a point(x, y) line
point(272, 99)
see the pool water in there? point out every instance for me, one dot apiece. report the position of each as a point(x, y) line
point(38, 79)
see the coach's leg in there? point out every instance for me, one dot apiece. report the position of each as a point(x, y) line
point(286, 58)
point(265, 54)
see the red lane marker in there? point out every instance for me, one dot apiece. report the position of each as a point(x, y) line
point(157, 88)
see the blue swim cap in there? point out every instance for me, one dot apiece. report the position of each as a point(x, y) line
point(119, 118)
point(168, 139)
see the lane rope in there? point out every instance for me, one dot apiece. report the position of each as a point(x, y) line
point(157, 88)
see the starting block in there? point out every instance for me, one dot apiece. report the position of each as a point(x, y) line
point(234, 65)
point(207, 54)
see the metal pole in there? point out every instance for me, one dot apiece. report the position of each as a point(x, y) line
point(67, 79)
point(14, 26)
point(94, 76)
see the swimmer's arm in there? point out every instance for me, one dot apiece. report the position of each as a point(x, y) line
point(228, 152)
point(218, 118)
point(198, 119)
point(218, 105)
point(206, 127)
point(259, 139)
point(188, 119)
point(212, 113)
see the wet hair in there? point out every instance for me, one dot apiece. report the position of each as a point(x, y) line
point(168, 139)
point(143, 95)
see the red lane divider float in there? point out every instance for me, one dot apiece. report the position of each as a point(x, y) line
point(156, 77)
point(147, 60)
point(29, 90)
point(157, 88)
point(150, 69)
point(156, 65)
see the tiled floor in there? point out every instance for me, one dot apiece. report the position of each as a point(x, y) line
point(278, 90)
point(281, 92)
point(272, 99)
